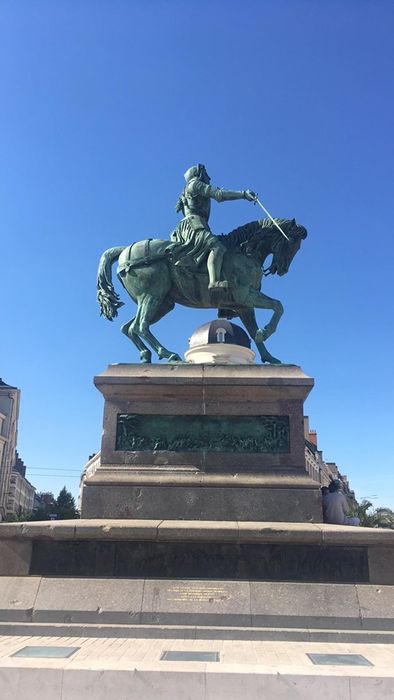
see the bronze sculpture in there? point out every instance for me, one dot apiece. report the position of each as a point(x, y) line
point(198, 269)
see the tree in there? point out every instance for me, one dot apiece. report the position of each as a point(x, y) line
point(379, 517)
point(47, 507)
point(65, 506)
point(61, 508)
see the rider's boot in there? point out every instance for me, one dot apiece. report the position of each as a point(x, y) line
point(214, 264)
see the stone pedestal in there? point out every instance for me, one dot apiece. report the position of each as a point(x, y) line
point(202, 442)
point(235, 580)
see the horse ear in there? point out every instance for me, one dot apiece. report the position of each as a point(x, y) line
point(293, 221)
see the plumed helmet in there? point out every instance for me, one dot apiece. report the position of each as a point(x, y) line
point(195, 171)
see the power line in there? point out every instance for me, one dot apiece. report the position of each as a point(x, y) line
point(54, 472)
point(58, 476)
point(54, 469)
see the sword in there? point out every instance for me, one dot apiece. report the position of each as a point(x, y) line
point(272, 219)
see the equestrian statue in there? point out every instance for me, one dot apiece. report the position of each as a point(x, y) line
point(200, 270)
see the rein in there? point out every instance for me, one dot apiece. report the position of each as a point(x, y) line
point(253, 253)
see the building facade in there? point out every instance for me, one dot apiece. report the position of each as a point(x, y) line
point(319, 470)
point(21, 493)
point(9, 413)
point(16, 492)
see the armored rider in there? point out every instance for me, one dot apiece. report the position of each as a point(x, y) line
point(193, 232)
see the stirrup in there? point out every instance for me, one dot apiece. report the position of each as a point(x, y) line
point(218, 286)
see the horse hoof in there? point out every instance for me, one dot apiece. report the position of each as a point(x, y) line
point(146, 356)
point(174, 358)
point(270, 360)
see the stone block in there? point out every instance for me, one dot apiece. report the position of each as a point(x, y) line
point(141, 502)
point(271, 504)
point(381, 564)
point(371, 688)
point(237, 463)
point(73, 558)
point(117, 530)
point(351, 535)
point(134, 684)
point(200, 502)
point(290, 562)
point(255, 684)
point(19, 683)
point(17, 597)
point(51, 529)
point(376, 606)
point(15, 556)
point(89, 600)
point(296, 533)
point(10, 530)
point(313, 605)
point(189, 531)
point(178, 559)
point(196, 602)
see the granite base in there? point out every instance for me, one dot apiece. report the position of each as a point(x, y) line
point(157, 501)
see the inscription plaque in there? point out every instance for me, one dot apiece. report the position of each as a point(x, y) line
point(202, 594)
point(138, 432)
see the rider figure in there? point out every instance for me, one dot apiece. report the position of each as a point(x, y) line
point(193, 231)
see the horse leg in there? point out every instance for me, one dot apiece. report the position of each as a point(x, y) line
point(145, 353)
point(152, 309)
point(262, 301)
point(248, 318)
point(162, 352)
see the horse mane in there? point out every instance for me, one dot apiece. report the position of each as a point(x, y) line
point(244, 233)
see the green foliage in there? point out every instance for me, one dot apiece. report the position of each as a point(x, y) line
point(18, 518)
point(63, 507)
point(378, 517)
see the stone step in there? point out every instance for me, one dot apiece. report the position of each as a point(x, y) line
point(286, 634)
point(196, 602)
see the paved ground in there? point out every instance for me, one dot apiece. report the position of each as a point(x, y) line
point(128, 653)
point(116, 669)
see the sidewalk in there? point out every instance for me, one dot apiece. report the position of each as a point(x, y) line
point(130, 669)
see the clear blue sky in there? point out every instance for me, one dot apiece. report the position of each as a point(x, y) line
point(104, 104)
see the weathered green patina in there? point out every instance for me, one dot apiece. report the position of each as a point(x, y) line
point(256, 434)
point(198, 269)
point(193, 239)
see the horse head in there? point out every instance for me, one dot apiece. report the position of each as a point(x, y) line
point(262, 238)
point(284, 249)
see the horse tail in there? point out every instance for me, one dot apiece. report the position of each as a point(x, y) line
point(108, 300)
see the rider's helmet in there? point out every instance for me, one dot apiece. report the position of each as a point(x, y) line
point(197, 171)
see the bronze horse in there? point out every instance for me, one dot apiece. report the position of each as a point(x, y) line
point(156, 283)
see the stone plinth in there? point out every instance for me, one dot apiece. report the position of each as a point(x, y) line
point(202, 442)
point(262, 580)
